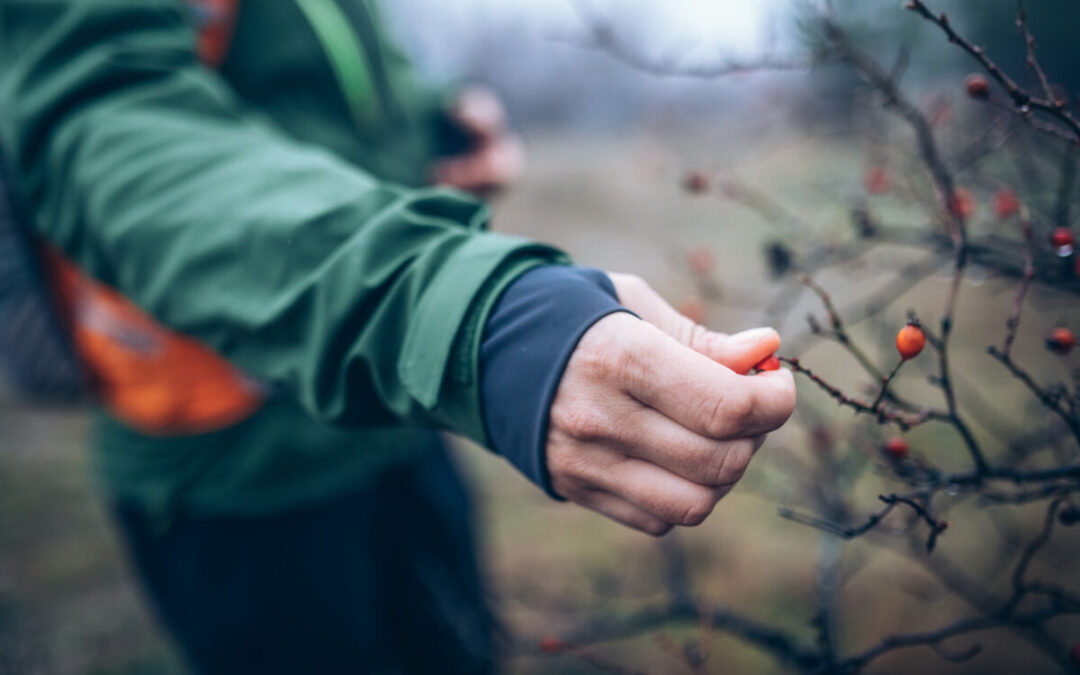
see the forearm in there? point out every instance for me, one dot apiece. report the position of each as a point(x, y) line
point(361, 299)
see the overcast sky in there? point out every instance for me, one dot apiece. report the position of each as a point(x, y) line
point(700, 28)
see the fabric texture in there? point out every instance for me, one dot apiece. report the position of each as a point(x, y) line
point(382, 581)
point(528, 338)
point(248, 209)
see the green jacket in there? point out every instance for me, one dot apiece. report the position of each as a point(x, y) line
point(261, 209)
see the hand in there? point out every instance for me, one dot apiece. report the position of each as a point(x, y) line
point(496, 156)
point(653, 421)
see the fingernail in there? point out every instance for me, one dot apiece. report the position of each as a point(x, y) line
point(748, 337)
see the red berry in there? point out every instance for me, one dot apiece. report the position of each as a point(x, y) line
point(962, 203)
point(768, 363)
point(1061, 341)
point(695, 182)
point(896, 447)
point(549, 644)
point(1061, 237)
point(700, 260)
point(877, 180)
point(977, 86)
point(910, 341)
point(1006, 203)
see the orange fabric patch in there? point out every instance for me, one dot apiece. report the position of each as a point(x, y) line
point(152, 378)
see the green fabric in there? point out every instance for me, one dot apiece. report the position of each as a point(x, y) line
point(247, 208)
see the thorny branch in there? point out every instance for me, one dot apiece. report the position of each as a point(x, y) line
point(1023, 101)
point(1031, 603)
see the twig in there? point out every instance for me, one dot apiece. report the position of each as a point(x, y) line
point(1012, 324)
point(1023, 101)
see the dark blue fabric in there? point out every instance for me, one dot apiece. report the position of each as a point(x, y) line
point(383, 580)
point(37, 359)
point(528, 338)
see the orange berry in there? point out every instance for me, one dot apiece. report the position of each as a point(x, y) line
point(896, 447)
point(977, 86)
point(877, 180)
point(910, 341)
point(549, 644)
point(962, 203)
point(768, 363)
point(1061, 341)
point(1006, 203)
point(695, 182)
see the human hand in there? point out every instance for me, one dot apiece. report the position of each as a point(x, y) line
point(654, 419)
point(495, 156)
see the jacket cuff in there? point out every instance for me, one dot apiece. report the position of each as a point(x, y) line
point(528, 339)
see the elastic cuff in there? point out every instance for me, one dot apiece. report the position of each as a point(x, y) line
point(528, 339)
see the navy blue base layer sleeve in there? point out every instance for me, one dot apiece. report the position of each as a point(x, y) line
point(528, 338)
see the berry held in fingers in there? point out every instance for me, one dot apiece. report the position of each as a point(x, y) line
point(768, 363)
point(910, 340)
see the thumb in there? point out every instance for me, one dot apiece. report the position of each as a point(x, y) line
point(739, 352)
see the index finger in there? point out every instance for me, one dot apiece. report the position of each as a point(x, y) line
point(702, 395)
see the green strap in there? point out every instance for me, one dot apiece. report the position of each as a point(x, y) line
point(346, 56)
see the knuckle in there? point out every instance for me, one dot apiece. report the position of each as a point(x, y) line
point(569, 464)
point(695, 510)
point(740, 409)
point(731, 466)
point(601, 355)
point(730, 412)
point(578, 419)
point(656, 529)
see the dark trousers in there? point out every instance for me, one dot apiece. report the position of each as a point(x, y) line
point(385, 580)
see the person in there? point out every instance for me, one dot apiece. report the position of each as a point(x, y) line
point(278, 310)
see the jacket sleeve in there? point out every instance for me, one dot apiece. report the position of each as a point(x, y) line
point(363, 300)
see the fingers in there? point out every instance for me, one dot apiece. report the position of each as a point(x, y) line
point(739, 352)
point(491, 165)
point(621, 511)
point(650, 488)
point(700, 394)
point(480, 113)
point(650, 436)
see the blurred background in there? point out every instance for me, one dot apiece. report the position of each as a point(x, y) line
point(609, 149)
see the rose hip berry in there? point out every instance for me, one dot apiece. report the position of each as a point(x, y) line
point(1062, 240)
point(695, 182)
point(1006, 203)
point(550, 644)
point(910, 340)
point(977, 86)
point(1061, 341)
point(896, 447)
point(877, 180)
point(962, 203)
point(768, 363)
